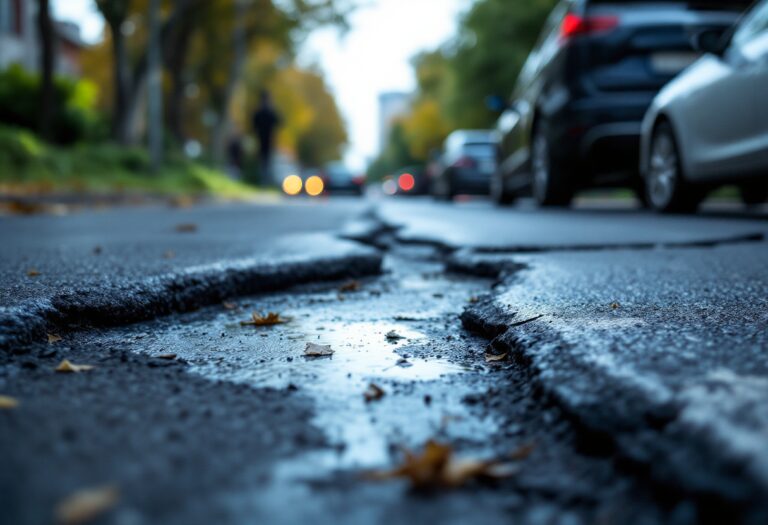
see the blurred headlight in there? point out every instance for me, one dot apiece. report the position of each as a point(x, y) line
point(292, 185)
point(314, 186)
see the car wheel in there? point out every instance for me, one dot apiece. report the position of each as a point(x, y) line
point(754, 193)
point(666, 187)
point(499, 193)
point(550, 181)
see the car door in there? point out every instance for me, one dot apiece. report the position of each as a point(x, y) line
point(752, 41)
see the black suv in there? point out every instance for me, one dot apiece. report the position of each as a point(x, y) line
point(575, 114)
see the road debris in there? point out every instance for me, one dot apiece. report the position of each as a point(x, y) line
point(373, 393)
point(351, 286)
point(315, 350)
point(393, 336)
point(495, 358)
point(53, 338)
point(86, 505)
point(32, 272)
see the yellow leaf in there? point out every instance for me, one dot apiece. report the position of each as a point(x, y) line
point(270, 319)
point(436, 467)
point(8, 403)
point(495, 358)
point(53, 338)
point(315, 350)
point(67, 367)
point(373, 393)
point(86, 505)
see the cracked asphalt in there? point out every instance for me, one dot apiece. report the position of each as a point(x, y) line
point(631, 363)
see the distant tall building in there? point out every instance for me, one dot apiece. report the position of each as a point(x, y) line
point(392, 104)
point(19, 42)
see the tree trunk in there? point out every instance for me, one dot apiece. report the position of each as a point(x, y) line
point(155, 87)
point(120, 66)
point(176, 63)
point(239, 43)
point(47, 41)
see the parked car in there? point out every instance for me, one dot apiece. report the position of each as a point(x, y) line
point(340, 179)
point(575, 115)
point(709, 126)
point(467, 162)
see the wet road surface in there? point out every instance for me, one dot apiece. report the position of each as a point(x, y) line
point(642, 357)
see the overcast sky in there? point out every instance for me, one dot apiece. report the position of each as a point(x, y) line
point(373, 57)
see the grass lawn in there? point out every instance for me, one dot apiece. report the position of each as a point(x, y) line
point(30, 166)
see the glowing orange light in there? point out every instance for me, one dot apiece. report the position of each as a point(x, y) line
point(292, 185)
point(314, 186)
point(406, 182)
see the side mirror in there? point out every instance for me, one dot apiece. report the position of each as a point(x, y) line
point(496, 103)
point(711, 41)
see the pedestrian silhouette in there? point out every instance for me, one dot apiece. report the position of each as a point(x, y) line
point(265, 121)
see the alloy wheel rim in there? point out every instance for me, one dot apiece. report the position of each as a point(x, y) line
point(540, 167)
point(663, 170)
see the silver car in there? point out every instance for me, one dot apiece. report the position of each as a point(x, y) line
point(709, 126)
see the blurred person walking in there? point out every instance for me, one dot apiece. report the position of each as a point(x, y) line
point(266, 120)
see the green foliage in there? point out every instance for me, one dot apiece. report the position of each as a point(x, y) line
point(75, 119)
point(495, 37)
point(26, 162)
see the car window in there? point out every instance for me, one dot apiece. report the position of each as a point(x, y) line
point(755, 23)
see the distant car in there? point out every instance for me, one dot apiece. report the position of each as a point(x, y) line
point(710, 125)
point(575, 115)
point(340, 179)
point(468, 160)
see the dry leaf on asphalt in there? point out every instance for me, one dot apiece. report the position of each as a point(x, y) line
point(615, 306)
point(393, 336)
point(53, 338)
point(186, 228)
point(32, 272)
point(8, 402)
point(86, 505)
point(68, 367)
point(270, 319)
point(437, 467)
point(373, 393)
point(495, 358)
point(315, 350)
point(351, 286)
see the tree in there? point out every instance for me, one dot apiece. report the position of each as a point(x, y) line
point(47, 41)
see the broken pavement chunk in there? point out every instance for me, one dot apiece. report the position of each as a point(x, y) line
point(315, 350)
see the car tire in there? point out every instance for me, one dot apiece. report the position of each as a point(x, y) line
point(754, 193)
point(666, 187)
point(499, 193)
point(550, 180)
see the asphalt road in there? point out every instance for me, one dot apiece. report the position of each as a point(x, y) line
point(623, 351)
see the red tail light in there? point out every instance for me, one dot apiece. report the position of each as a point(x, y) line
point(464, 162)
point(575, 25)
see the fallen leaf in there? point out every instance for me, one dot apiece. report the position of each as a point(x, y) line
point(53, 338)
point(373, 393)
point(270, 319)
point(351, 286)
point(8, 403)
point(393, 336)
point(67, 367)
point(32, 272)
point(436, 467)
point(166, 356)
point(229, 306)
point(169, 254)
point(186, 228)
point(615, 306)
point(315, 350)
point(86, 505)
point(495, 358)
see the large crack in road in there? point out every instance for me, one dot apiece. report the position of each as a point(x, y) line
point(241, 427)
